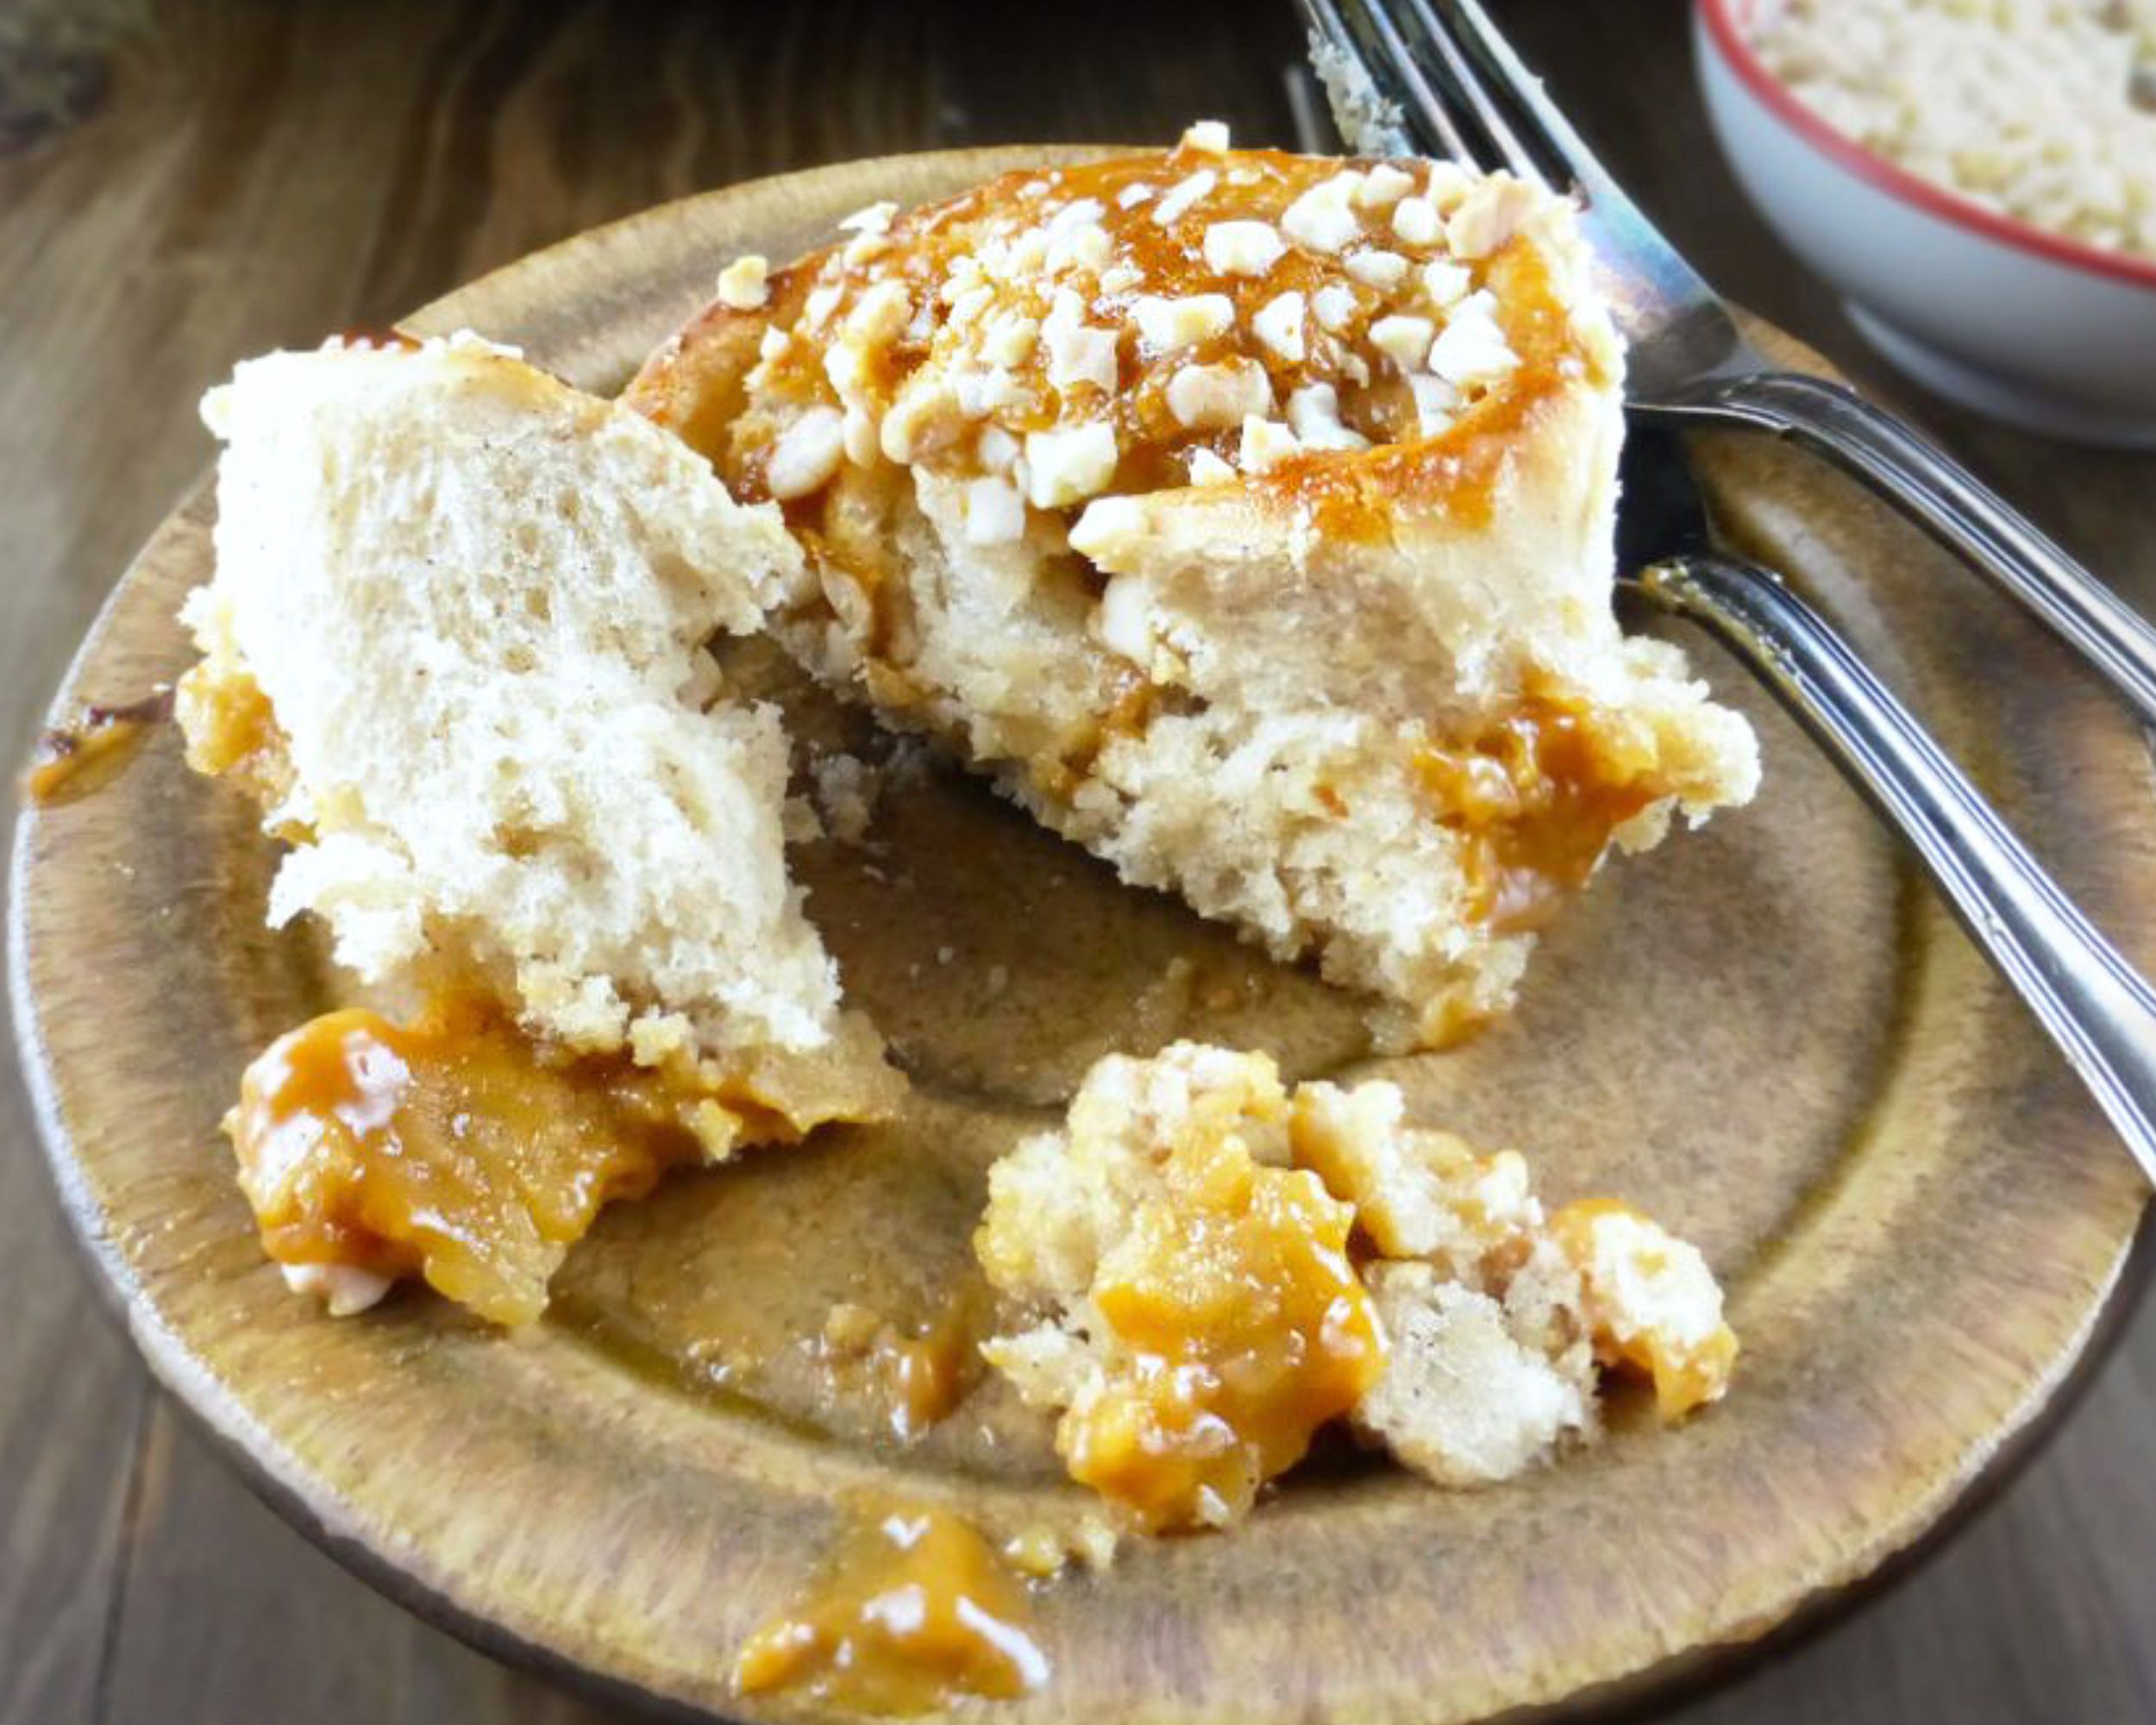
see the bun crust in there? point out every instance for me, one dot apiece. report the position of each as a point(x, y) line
point(1248, 519)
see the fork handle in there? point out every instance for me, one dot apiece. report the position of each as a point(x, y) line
point(2089, 998)
point(1953, 503)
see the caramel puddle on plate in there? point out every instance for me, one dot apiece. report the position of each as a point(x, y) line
point(922, 1374)
point(914, 1610)
point(72, 759)
point(829, 1286)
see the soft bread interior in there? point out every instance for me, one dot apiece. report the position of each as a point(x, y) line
point(475, 602)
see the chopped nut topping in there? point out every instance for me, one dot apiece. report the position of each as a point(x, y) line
point(1334, 305)
point(743, 285)
point(1445, 184)
point(864, 248)
point(1435, 399)
point(1070, 465)
point(807, 454)
point(1278, 326)
point(1167, 325)
point(903, 433)
point(1106, 523)
point(1207, 468)
point(1471, 346)
point(1242, 247)
point(1324, 217)
point(1219, 396)
point(875, 219)
point(1009, 339)
point(1086, 330)
point(1079, 213)
point(1487, 216)
point(1265, 443)
point(879, 314)
point(863, 436)
point(1208, 137)
point(1445, 282)
point(1076, 352)
point(1404, 341)
point(981, 393)
point(1087, 246)
point(1183, 195)
point(1381, 186)
point(1314, 412)
point(970, 304)
point(1378, 268)
point(1416, 221)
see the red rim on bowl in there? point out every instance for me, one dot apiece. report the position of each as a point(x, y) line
point(1935, 199)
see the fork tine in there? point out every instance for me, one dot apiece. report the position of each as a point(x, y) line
point(1427, 48)
point(1353, 89)
point(1428, 92)
point(1544, 146)
point(1351, 35)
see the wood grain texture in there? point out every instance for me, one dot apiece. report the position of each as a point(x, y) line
point(226, 177)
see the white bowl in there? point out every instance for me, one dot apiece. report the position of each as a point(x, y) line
point(2000, 316)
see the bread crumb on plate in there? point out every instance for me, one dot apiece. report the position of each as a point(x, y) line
point(1199, 1270)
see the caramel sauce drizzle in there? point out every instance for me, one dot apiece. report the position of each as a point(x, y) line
point(920, 1374)
point(1537, 794)
point(72, 759)
point(1248, 1330)
point(1457, 469)
point(454, 1148)
point(914, 1612)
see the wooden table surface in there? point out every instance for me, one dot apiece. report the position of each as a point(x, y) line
point(183, 184)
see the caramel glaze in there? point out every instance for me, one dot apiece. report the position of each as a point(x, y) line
point(1360, 494)
point(1536, 794)
point(914, 1612)
point(1155, 447)
point(697, 387)
point(386, 336)
point(232, 732)
point(455, 1147)
point(1246, 1329)
point(72, 759)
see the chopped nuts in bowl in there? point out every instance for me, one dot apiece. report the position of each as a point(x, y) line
point(1979, 182)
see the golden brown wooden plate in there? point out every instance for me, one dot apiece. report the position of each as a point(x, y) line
point(1769, 1034)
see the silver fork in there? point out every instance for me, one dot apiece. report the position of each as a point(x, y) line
point(2089, 1000)
point(1444, 79)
